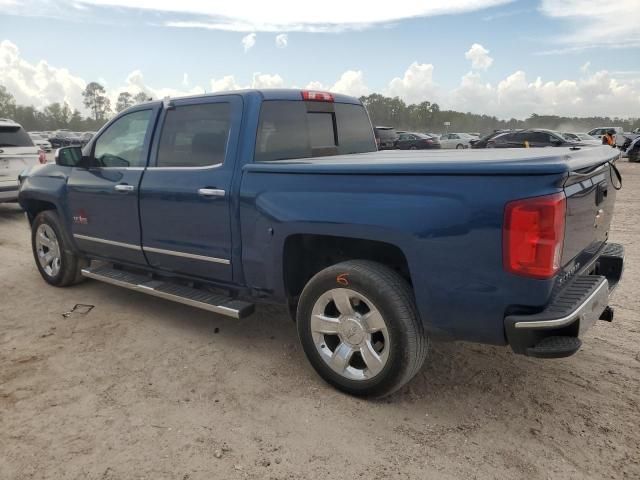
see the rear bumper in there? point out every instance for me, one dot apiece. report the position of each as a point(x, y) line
point(554, 332)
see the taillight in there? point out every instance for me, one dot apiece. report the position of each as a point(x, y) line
point(314, 96)
point(42, 157)
point(533, 234)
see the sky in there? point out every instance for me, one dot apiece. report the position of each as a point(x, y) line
point(508, 58)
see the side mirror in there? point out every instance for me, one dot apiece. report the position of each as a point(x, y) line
point(68, 156)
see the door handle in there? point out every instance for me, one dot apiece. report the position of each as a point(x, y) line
point(123, 187)
point(211, 192)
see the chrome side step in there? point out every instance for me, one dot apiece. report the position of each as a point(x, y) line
point(170, 291)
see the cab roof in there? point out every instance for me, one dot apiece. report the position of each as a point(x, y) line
point(271, 94)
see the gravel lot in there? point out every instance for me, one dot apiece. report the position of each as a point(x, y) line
point(144, 388)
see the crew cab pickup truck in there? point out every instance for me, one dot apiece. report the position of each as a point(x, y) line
point(225, 200)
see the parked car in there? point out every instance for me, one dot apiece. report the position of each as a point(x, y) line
point(17, 153)
point(618, 133)
point(531, 138)
point(385, 137)
point(456, 140)
point(85, 137)
point(631, 148)
point(482, 142)
point(374, 253)
point(416, 141)
point(584, 138)
point(60, 139)
point(40, 141)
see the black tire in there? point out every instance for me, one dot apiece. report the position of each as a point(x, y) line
point(70, 262)
point(393, 298)
point(459, 146)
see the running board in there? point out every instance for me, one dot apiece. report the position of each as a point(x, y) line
point(171, 291)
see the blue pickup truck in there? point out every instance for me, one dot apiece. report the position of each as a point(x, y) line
point(222, 201)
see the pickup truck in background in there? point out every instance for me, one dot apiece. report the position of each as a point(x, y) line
point(225, 200)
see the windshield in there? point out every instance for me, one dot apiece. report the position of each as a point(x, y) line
point(14, 137)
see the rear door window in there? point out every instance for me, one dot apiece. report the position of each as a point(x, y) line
point(539, 137)
point(297, 129)
point(14, 136)
point(195, 135)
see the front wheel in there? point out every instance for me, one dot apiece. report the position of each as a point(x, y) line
point(459, 146)
point(55, 259)
point(359, 327)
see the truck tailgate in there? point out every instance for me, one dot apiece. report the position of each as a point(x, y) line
point(591, 194)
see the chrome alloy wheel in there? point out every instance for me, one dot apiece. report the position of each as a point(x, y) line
point(350, 334)
point(48, 250)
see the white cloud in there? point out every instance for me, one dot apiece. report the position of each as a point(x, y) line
point(265, 80)
point(248, 41)
point(37, 84)
point(227, 82)
point(352, 83)
point(416, 85)
point(282, 40)
point(135, 83)
point(185, 79)
point(516, 95)
point(292, 15)
point(258, 80)
point(595, 23)
point(479, 56)
point(585, 68)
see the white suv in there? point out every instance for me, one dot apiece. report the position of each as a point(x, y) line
point(17, 152)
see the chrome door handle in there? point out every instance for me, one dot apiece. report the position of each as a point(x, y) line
point(124, 188)
point(211, 192)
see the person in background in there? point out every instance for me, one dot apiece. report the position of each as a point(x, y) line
point(608, 138)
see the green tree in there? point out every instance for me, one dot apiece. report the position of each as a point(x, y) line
point(142, 97)
point(7, 103)
point(125, 100)
point(76, 122)
point(57, 115)
point(95, 99)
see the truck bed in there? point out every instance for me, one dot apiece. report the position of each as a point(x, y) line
point(503, 161)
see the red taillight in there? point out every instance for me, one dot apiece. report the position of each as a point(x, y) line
point(42, 157)
point(314, 96)
point(533, 235)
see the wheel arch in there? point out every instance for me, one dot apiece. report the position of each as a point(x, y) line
point(304, 255)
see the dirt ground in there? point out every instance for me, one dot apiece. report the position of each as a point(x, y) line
point(141, 388)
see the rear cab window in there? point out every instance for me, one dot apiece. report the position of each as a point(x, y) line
point(14, 136)
point(290, 129)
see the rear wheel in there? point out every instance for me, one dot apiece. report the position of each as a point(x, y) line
point(55, 259)
point(359, 328)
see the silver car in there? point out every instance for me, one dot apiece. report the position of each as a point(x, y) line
point(17, 153)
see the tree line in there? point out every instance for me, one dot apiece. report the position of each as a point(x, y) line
point(60, 115)
point(428, 117)
point(421, 117)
